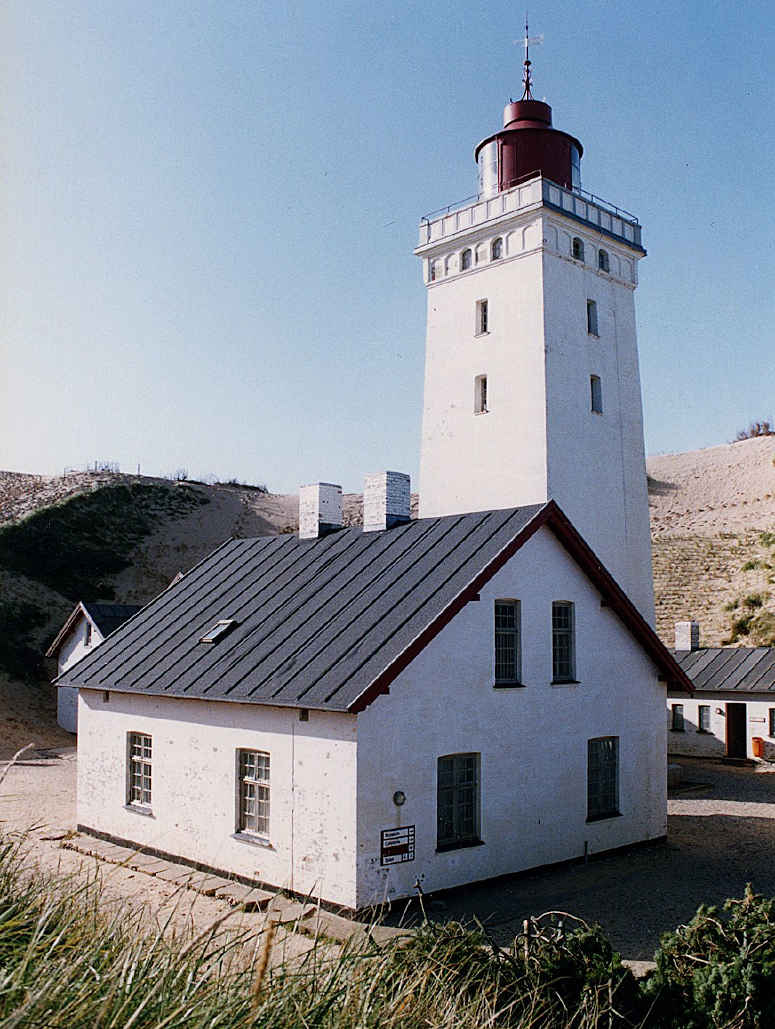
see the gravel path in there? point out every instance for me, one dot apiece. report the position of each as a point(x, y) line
point(721, 836)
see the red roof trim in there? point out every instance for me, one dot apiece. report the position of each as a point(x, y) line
point(553, 518)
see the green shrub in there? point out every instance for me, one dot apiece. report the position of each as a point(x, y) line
point(753, 600)
point(719, 970)
point(750, 566)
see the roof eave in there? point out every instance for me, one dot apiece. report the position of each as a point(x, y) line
point(551, 516)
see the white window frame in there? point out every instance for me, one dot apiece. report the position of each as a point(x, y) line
point(253, 792)
point(508, 640)
point(139, 770)
point(482, 323)
point(480, 395)
point(602, 778)
point(563, 666)
point(458, 803)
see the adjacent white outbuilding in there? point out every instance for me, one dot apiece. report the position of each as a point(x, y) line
point(86, 627)
point(731, 713)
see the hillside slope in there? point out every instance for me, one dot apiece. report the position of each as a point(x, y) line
point(108, 536)
point(712, 520)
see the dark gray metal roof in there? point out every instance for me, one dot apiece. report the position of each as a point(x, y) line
point(737, 669)
point(318, 620)
point(108, 617)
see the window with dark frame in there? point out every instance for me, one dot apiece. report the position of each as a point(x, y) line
point(602, 778)
point(603, 261)
point(139, 772)
point(563, 642)
point(480, 394)
point(496, 252)
point(508, 650)
point(578, 249)
point(457, 801)
point(772, 721)
point(466, 260)
point(677, 713)
point(482, 320)
point(254, 793)
point(596, 394)
point(703, 718)
point(87, 635)
point(592, 318)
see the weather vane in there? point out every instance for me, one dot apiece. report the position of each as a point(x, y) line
point(527, 42)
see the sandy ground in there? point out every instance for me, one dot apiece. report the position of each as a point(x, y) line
point(721, 836)
point(729, 488)
point(37, 803)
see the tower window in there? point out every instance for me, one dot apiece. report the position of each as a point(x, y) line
point(496, 252)
point(481, 317)
point(603, 261)
point(434, 270)
point(592, 317)
point(480, 394)
point(596, 391)
point(466, 260)
point(578, 249)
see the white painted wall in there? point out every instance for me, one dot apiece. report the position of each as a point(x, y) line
point(532, 741)
point(539, 439)
point(194, 793)
point(474, 462)
point(73, 648)
point(692, 743)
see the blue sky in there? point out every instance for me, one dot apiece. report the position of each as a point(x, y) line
point(209, 212)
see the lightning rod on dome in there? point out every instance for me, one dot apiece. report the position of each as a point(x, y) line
point(527, 42)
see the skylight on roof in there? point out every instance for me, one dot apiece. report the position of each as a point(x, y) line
point(219, 630)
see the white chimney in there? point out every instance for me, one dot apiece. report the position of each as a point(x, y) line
point(687, 635)
point(386, 499)
point(320, 510)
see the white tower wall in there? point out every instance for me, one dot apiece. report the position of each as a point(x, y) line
point(474, 462)
point(539, 438)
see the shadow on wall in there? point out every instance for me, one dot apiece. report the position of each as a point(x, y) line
point(693, 741)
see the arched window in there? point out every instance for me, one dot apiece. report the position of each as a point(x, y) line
point(434, 270)
point(466, 259)
point(596, 391)
point(603, 262)
point(578, 249)
point(496, 252)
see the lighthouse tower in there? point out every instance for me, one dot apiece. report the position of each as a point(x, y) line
point(532, 387)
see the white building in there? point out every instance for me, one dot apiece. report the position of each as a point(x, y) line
point(350, 713)
point(731, 713)
point(87, 627)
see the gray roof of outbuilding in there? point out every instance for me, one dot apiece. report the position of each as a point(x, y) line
point(108, 617)
point(738, 669)
point(326, 623)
